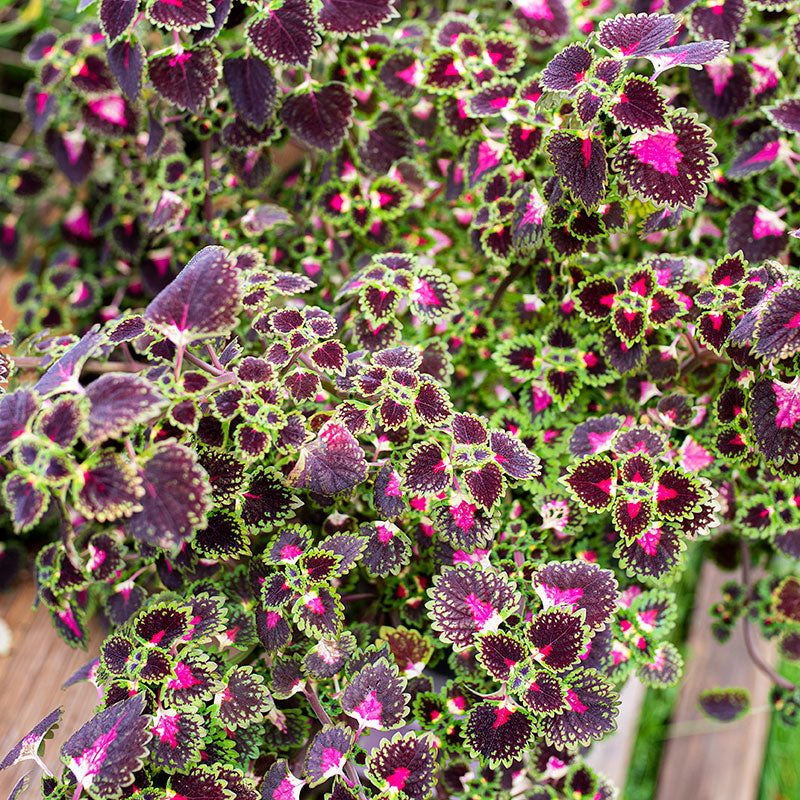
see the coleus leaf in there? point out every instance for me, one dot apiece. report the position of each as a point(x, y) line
point(388, 141)
point(640, 105)
point(16, 409)
point(126, 60)
point(567, 69)
point(375, 696)
point(63, 374)
point(786, 114)
point(513, 458)
point(485, 485)
point(671, 168)
point(203, 300)
point(786, 600)
point(116, 17)
point(284, 33)
point(25, 499)
point(467, 600)
point(590, 714)
point(540, 691)
point(462, 524)
point(273, 629)
point(579, 161)
point(592, 482)
point(225, 536)
point(678, 494)
point(758, 153)
point(327, 753)
point(253, 88)
point(319, 117)
point(177, 739)
point(410, 649)
point(202, 782)
point(432, 295)
point(28, 746)
point(387, 494)
point(690, 54)
point(557, 638)
point(186, 15)
point(498, 734)
point(106, 752)
point(404, 766)
point(242, 698)
point(107, 487)
point(175, 500)
point(119, 402)
point(721, 21)
point(637, 35)
point(319, 612)
point(280, 784)
point(333, 462)
point(428, 471)
point(662, 667)
point(329, 656)
point(723, 88)
point(580, 585)
point(354, 16)
point(777, 330)
point(266, 502)
point(388, 549)
point(499, 653)
point(724, 704)
point(186, 77)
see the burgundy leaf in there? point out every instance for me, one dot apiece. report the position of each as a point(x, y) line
point(175, 499)
point(375, 696)
point(253, 88)
point(355, 16)
point(580, 163)
point(106, 752)
point(497, 734)
point(118, 402)
point(404, 766)
point(319, 117)
point(202, 301)
point(285, 34)
point(186, 77)
point(467, 600)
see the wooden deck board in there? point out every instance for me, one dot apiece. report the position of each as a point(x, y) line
point(704, 759)
point(30, 680)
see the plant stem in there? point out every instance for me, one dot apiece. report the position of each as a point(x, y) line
point(515, 271)
point(208, 208)
point(198, 362)
point(42, 766)
point(324, 718)
point(30, 362)
point(784, 683)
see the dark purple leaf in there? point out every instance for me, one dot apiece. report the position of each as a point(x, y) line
point(467, 600)
point(786, 114)
point(183, 14)
point(375, 696)
point(28, 746)
point(724, 704)
point(327, 753)
point(498, 734)
point(253, 88)
point(640, 105)
point(404, 766)
point(557, 637)
point(245, 698)
point(202, 301)
point(186, 77)
point(567, 69)
point(666, 167)
point(118, 402)
point(286, 34)
point(106, 752)
point(637, 34)
point(580, 163)
point(175, 500)
point(354, 16)
point(16, 409)
point(25, 499)
point(691, 54)
point(107, 487)
point(116, 17)
point(333, 462)
point(319, 117)
point(388, 549)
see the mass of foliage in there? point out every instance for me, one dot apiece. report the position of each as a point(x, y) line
point(378, 362)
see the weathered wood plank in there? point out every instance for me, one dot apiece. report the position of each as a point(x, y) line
point(703, 759)
point(30, 682)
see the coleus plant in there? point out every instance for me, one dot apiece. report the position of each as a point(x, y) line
point(402, 342)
